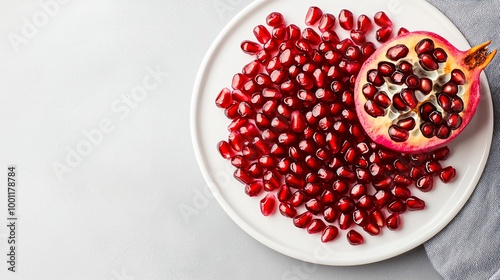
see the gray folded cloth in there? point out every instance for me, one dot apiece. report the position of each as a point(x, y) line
point(469, 247)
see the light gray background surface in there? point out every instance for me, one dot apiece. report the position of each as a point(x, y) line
point(95, 115)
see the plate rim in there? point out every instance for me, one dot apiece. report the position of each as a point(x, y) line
point(447, 218)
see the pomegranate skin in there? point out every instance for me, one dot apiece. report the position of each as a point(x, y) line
point(470, 62)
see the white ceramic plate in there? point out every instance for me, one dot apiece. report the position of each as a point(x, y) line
point(208, 125)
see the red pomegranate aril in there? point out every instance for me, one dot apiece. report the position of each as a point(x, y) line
point(425, 85)
point(443, 132)
point(425, 183)
point(385, 69)
point(381, 198)
point(238, 161)
point(377, 216)
point(383, 34)
point(242, 176)
point(450, 88)
point(447, 174)
point(414, 203)
point(275, 19)
point(267, 161)
point(346, 19)
point(397, 206)
point(358, 37)
point(255, 170)
point(238, 81)
point(279, 33)
point(262, 34)
point(360, 217)
point(403, 31)
point(253, 189)
point(357, 191)
point(381, 19)
point(345, 221)
point(407, 123)
point(439, 55)
point(409, 98)
point(432, 167)
point(303, 220)
point(458, 77)
point(424, 46)
point(397, 52)
point(327, 22)
point(329, 234)
point(355, 238)
point(454, 121)
point(316, 226)
point(250, 47)
point(269, 136)
point(295, 181)
point(224, 98)
point(372, 228)
point(225, 149)
point(287, 210)
point(412, 81)
point(375, 78)
point(330, 36)
point(457, 105)
point(313, 15)
point(311, 36)
point(330, 214)
point(366, 202)
point(345, 204)
point(297, 199)
point(368, 49)
point(364, 23)
point(427, 62)
point(314, 206)
point(393, 222)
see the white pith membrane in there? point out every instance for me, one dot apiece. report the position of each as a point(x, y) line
point(438, 77)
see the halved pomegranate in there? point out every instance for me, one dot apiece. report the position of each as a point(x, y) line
point(418, 92)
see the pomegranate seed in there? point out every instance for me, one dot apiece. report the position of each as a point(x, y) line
point(275, 19)
point(330, 36)
point(358, 36)
point(440, 55)
point(398, 134)
point(224, 98)
point(458, 77)
point(270, 180)
point(242, 176)
point(250, 47)
point(372, 228)
point(311, 36)
point(297, 199)
point(450, 88)
point(425, 183)
point(238, 161)
point(355, 238)
point(357, 191)
point(326, 23)
point(360, 217)
point(225, 149)
point(381, 198)
point(303, 220)
point(383, 34)
point(313, 15)
point(316, 226)
point(447, 174)
point(403, 31)
point(345, 204)
point(346, 19)
point(364, 23)
point(415, 203)
point(393, 222)
point(424, 46)
point(366, 202)
point(329, 234)
point(397, 206)
point(287, 210)
point(253, 189)
point(262, 34)
point(454, 121)
point(345, 220)
point(378, 217)
point(427, 62)
point(279, 33)
point(368, 49)
point(382, 20)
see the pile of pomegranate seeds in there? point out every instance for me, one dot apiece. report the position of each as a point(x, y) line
point(294, 133)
